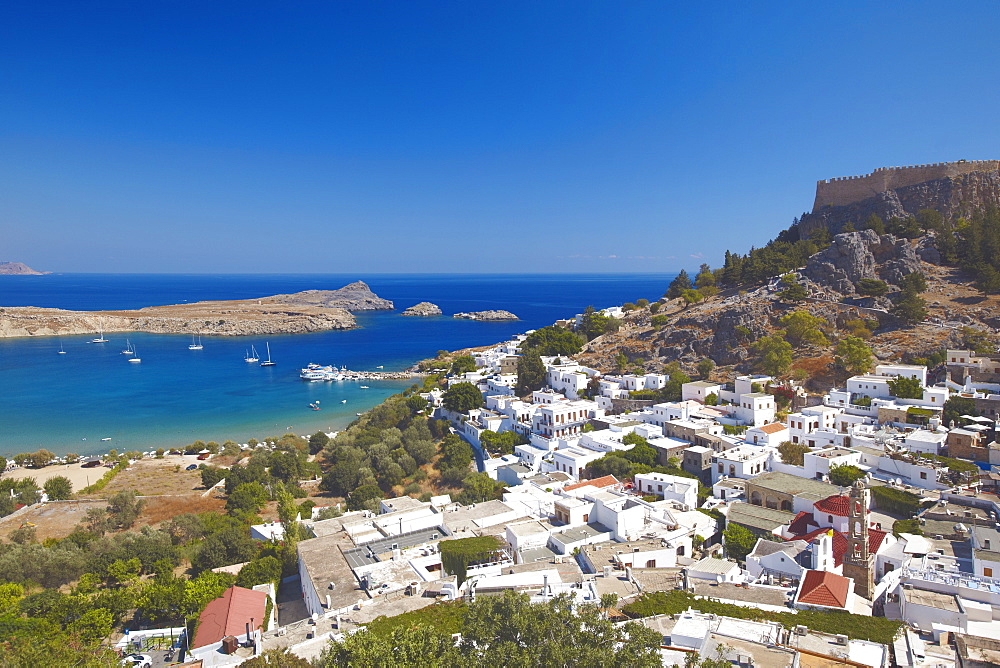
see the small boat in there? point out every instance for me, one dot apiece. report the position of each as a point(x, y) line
point(364, 387)
point(61, 351)
point(128, 348)
point(315, 407)
point(100, 338)
point(252, 356)
point(343, 401)
point(380, 367)
point(136, 359)
point(108, 438)
point(194, 345)
point(359, 414)
point(268, 361)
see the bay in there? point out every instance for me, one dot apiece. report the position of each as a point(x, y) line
point(68, 403)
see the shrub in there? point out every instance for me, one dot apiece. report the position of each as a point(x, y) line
point(457, 555)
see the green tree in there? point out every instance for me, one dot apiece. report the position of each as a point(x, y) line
point(594, 323)
point(875, 223)
point(462, 398)
point(845, 475)
point(793, 290)
point(739, 541)
point(553, 340)
point(247, 498)
point(259, 571)
point(910, 309)
point(792, 453)
point(479, 487)
point(463, 364)
point(914, 282)
point(705, 277)
point(677, 286)
point(124, 508)
point(279, 658)
point(774, 354)
point(690, 297)
point(211, 475)
point(705, 367)
point(58, 488)
point(955, 407)
point(854, 355)
point(871, 287)
point(905, 387)
point(364, 498)
point(92, 626)
point(319, 440)
point(802, 327)
point(530, 373)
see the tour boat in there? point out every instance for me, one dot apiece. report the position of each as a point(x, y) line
point(194, 345)
point(128, 348)
point(268, 361)
point(252, 355)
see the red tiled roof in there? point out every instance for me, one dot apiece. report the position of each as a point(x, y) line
point(229, 615)
point(600, 483)
point(802, 523)
point(838, 504)
point(875, 538)
point(824, 588)
point(772, 428)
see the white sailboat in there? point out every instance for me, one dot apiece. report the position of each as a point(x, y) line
point(252, 356)
point(194, 345)
point(128, 348)
point(268, 361)
point(135, 359)
point(100, 338)
point(61, 351)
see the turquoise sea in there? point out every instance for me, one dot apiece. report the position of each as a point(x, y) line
point(68, 403)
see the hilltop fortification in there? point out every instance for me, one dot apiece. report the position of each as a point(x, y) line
point(845, 190)
point(955, 189)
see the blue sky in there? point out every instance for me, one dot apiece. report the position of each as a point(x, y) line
point(462, 136)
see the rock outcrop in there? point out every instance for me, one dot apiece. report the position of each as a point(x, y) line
point(18, 269)
point(953, 197)
point(487, 315)
point(856, 255)
point(423, 308)
point(356, 296)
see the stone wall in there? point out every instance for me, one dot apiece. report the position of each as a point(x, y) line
point(849, 189)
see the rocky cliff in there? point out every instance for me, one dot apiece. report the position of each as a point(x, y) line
point(356, 296)
point(954, 197)
point(724, 326)
point(18, 269)
point(487, 315)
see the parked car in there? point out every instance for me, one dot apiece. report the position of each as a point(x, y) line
point(191, 467)
point(138, 661)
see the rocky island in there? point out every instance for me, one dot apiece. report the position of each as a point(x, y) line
point(298, 313)
point(487, 315)
point(19, 269)
point(423, 308)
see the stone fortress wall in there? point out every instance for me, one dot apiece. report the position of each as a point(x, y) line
point(849, 189)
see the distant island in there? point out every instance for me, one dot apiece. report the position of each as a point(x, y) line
point(298, 313)
point(19, 269)
point(422, 309)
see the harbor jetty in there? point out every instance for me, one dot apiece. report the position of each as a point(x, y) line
point(317, 372)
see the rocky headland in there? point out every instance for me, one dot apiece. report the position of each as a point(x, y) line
point(487, 315)
point(299, 313)
point(19, 269)
point(422, 309)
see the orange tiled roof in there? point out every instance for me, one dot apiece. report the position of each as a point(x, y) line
point(838, 504)
point(823, 588)
point(772, 428)
point(229, 615)
point(600, 483)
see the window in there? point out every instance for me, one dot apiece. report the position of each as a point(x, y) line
point(586, 517)
point(651, 563)
point(829, 518)
point(987, 572)
point(923, 475)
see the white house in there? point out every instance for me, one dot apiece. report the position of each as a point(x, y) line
point(768, 434)
point(715, 570)
point(699, 390)
point(670, 487)
point(744, 461)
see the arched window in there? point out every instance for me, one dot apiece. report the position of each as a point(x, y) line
point(732, 469)
point(755, 498)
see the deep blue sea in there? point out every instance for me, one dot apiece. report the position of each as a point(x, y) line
point(68, 403)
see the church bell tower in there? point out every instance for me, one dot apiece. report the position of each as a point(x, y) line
point(859, 563)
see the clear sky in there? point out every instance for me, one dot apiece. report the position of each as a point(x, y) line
point(462, 136)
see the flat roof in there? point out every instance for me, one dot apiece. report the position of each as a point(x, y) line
point(368, 553)
point(932, 599)
point(787, 483)
point(581, 533)
point(758, 517)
